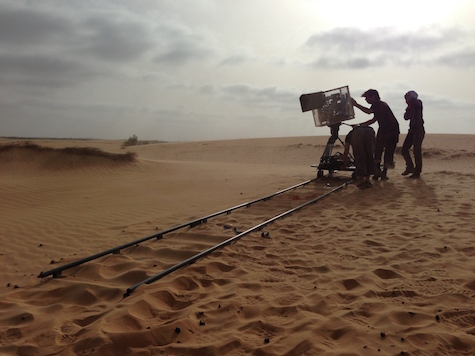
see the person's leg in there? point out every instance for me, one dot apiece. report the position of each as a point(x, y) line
point(418, 138)
point(357, 144)
point(390, 147)
point(369, 146)
point(378, 153)
point(379, 147)
point(408, 142)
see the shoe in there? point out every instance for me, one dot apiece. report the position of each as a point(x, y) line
point(384, 175)
point(415, 176)
point(377, 174)
point(368, 185)
point(407, 172)
point(362, 185)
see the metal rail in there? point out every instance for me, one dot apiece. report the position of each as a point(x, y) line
point(56, 272)
point(202, 254)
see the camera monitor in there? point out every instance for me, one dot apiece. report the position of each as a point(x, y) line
point(329, 107)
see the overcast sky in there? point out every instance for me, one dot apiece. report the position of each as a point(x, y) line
point(179, 70)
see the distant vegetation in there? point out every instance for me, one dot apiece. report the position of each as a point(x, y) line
point(79, 151)
point(134, 141)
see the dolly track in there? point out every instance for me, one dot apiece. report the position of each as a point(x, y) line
point(229, 241)
point(56, 272)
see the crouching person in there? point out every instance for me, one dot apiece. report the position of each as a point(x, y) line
point(362, 141)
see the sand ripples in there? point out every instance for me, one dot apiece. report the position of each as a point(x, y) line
point(386, 270)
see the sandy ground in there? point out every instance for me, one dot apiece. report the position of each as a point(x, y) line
point(384, 271)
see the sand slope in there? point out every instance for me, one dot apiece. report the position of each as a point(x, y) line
point(383, 271)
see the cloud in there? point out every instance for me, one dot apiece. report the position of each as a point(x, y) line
point(62, 48)
point(234, 59)
point(355, 48)
point(239, 57)
point(179, 45)
point(102, 35)
point(66, 47)
point(182, 52)
point(23, 26)
point(206, 89)
point(264, 97)
point(462, 58)
point(112, 39)
point(42, 71)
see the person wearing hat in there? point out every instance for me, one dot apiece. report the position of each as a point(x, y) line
point(388, 131)
point(415, 135)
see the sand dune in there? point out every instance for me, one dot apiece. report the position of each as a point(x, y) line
point(388, 270)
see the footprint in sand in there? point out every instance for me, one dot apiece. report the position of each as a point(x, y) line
point(69, 331)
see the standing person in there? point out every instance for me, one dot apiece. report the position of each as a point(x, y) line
point(415, 135)
point(388, 131)
point(362, 141)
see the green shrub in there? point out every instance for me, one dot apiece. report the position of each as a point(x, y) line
point(132, 141)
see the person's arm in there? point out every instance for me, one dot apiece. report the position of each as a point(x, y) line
point(369, 122)
point(413, 110)
point(406, 114)
point(361, 107)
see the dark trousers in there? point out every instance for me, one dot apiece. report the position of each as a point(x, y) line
point(414, 137)
point(386, 142)
point(362, 143)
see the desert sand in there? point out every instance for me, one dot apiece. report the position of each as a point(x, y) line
point(383, 271)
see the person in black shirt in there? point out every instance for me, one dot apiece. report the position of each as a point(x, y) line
point(415, 136)
point(388, 131)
